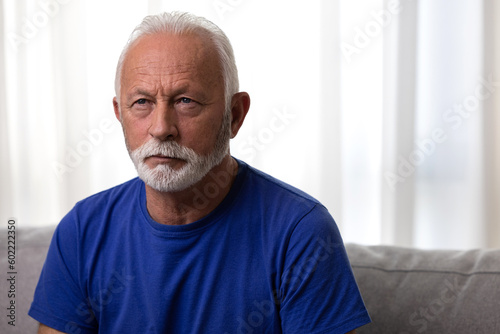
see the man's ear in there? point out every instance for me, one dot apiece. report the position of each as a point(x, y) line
point(239, 109)
point(116, 107)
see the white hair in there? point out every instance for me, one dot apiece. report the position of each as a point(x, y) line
point(179, 23)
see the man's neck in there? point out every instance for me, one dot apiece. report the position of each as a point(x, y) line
point(195, 202)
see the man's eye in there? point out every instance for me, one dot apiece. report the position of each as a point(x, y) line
point(141, 101)
point(186, 100)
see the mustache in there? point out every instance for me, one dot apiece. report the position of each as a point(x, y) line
point(170, 149)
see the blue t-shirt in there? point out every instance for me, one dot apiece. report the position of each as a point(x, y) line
point(268, 259)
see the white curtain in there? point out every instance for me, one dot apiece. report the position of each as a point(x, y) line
point(420, 85)
point(354, 102)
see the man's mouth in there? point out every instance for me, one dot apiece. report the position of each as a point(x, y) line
point(163, 156)
point(158, 158)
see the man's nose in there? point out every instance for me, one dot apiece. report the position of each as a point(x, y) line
point(164, 122)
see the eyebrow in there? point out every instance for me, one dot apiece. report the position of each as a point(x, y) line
point(182, 89)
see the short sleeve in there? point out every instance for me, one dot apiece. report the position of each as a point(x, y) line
point(59, 301)
point(318, 292)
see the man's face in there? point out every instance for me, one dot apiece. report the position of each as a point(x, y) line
point(172, 110)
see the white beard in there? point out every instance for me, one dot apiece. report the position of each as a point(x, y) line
point(163, 178)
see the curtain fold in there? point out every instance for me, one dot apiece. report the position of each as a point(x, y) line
point(398, 184)
point(449, 139)
point(6, 200)
point(330, 167)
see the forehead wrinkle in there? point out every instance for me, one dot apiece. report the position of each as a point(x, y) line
point(157, 69)
point(155, 79)
point(153, 69)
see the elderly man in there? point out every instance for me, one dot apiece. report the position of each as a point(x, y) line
point(200, 242)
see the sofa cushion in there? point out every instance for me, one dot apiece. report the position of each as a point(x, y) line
point(423, 291)
point(31, 249)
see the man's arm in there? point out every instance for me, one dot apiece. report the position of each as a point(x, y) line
point(42, 329)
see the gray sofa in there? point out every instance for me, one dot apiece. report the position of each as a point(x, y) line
point(405, 290)
point(418, 291)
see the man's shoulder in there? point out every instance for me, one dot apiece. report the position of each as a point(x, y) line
point(273, 187)
point(113, 193)
point(92, 215)
point(282, 203)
